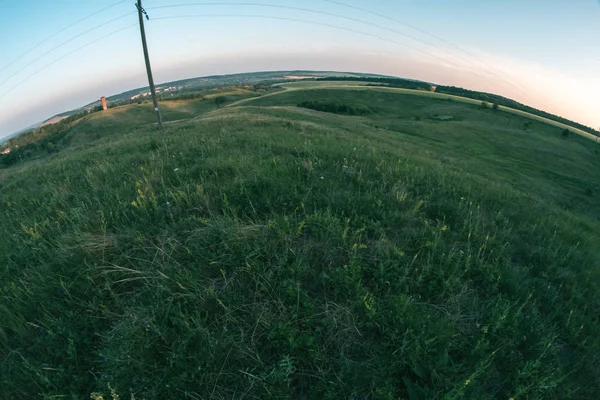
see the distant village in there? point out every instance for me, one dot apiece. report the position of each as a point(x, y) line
point(158, 90)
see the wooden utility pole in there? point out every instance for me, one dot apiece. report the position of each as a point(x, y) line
point(147, 58)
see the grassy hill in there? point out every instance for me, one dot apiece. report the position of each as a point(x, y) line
point(199, 86)
point(312, 243)
point(203, 83)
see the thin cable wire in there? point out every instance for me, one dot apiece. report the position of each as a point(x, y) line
point(489, 67)
point(62, 44)
point(306, 10)
point(366, 23)
point(330, 15)
point(248, 16)
point(64, 56)
point(316, 23)
point(59, 32)
point(339, 3)
point(296, 20)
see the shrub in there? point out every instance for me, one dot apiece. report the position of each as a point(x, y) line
point(51, 148)
point(336, 107)
point(220, 100)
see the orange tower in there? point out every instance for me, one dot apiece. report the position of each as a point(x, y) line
point(103, 99)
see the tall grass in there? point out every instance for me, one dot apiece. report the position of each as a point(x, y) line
point(271, 253)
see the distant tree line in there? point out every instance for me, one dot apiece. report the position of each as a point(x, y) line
point(493, 99)
point(503, 101)
point(336, 107)
point(45, 145)
point(37, 134)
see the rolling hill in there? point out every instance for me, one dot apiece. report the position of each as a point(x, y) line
point(214, 82)
point(192, 86)
point(313, 240)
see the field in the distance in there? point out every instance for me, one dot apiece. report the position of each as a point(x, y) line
point(439, 96)
point(368, 244)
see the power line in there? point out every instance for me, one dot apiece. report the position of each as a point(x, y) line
point(295, 20)
point(304, 10)
point(329, 14)
point(64, 56)
point(208, 16)
point(253, 16)
point(398, 22)
point(325, 13)
point(64, 43)
point(521, 89)
point(321, 13)
point(59, 32)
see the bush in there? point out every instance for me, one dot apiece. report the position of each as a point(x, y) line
point(51, 148)
point(495, 106)
point(336, 107)
point(566, 133)
point(220, 100)
point(10, 158)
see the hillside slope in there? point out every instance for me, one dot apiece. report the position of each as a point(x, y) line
point(367, 244)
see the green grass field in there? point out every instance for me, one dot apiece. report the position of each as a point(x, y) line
point(426, 249)
point(307, 85)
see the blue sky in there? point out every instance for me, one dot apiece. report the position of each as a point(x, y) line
point(545, 53)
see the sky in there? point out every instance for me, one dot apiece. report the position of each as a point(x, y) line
point(59, 55)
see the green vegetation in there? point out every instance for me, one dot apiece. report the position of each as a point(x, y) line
point(220, 100)
point(336, 107)
point(264, 250)
point(494, 99)
point(86, 127)
point(190, 87)
point(503, 101)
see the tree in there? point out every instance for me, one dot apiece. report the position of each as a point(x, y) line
point(484, 104)
point(495, 106)
point(220, 100)
point(566, 133)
